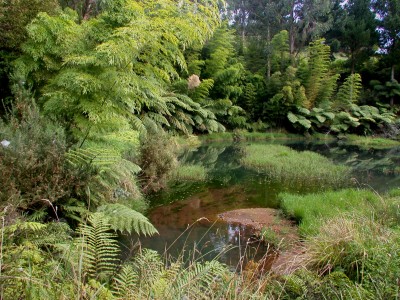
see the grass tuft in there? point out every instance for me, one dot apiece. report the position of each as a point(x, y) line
point(281, 163)
point(190, 173)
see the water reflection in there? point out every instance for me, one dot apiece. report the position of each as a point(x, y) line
point(186, 213)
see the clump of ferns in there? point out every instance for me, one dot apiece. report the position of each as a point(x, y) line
point(148, 277)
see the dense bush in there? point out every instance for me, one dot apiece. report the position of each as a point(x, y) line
point(158, 159)
point(34, 172)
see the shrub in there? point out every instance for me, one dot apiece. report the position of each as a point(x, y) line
point(34, 173)
point(158, 159)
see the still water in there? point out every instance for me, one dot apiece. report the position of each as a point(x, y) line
point(186, 214)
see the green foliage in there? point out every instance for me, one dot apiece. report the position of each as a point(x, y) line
point(318, 79)
point(100, 248)
point(284, 164)
point(15, 15)
point(387, 90)
point(370, 142)
point(33, 166)
point(112, 178)
point(221, 74)
point(124, 219)
point(148, 277)
point(349, 92)
point(158, 159)
point(304, 284)
point(280, 55)
point(112, 73)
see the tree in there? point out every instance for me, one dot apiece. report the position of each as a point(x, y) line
point(358, 32)
point(14, 16)
point(113, 73)
point(388, 12)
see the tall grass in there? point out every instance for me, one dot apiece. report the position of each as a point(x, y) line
point(352, 232)
point(244, 135)
point(281, 163)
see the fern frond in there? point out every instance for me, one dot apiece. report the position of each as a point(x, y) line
point(125, 282)
point(101, 250)
point(122, 218)
point(31, 227)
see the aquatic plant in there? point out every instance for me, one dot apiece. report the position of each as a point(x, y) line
point(281, 163)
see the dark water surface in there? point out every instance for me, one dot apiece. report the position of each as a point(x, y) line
point(186, 214)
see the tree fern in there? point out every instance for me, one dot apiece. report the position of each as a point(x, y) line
point(319, 81)
point(349, 92)
point(111, 177)
point(198, 279)
point(125, 282)
point(114, 70)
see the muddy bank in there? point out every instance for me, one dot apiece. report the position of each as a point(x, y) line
point(287, 256)
point(262, 218)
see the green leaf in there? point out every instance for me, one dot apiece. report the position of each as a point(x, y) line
point(292, 117)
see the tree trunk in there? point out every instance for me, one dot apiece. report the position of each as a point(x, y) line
point(89, 6)
point(392, 79)
point(292, 32)
point(269, 53)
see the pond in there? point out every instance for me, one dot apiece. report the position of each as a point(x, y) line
point(186, 214)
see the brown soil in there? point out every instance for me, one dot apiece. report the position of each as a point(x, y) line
point(289, 253)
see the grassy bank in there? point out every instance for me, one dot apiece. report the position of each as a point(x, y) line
point(284, 164)
point(369, 142)
point(313, 209)
point(242, 135)
point(352, 234)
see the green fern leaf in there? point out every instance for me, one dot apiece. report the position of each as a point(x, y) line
point(124, 219)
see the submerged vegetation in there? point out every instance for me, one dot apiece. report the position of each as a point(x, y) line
point(282, 163)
